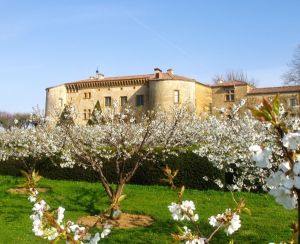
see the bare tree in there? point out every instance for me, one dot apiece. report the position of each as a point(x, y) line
point(292, 76)
point(8, 120)
point(236, 75)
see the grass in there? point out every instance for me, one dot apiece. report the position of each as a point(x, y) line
point(268, 222)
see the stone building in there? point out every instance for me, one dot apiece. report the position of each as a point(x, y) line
point(146, 92)
point(158, 90)
point(225, 94)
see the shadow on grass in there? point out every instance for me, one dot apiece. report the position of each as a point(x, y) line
point(88, 200)
point(158, 232)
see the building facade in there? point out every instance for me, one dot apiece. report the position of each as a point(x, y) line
point(158, 90)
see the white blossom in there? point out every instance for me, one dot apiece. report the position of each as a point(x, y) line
point(183, 211)
point(297, 182)
point(106, 231)
point(234, 224)
point(51, 231)
point(291, 141)
point(285, 197)
point(225, 140)
point(60, 215)
point(261, 156)
point(230, 220)
point(296, 168)
point(95, 239)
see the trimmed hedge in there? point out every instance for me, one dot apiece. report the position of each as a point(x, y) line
point(192, 169)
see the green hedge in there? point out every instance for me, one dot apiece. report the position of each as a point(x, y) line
point(191, 167)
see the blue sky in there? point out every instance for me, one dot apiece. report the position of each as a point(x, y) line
point(45, 43)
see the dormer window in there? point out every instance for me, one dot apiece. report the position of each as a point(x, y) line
point(229, 95)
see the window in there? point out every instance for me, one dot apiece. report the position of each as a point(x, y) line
point(87, 95)
point(61, 102)
point(229, 96)
point(87, 113)
point(139, 100)
point(123, 100)
point(107, 101)
point(176, 96)
point(293, 102)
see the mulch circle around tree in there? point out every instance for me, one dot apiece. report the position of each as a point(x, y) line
point(126, 221)
point(23, 190)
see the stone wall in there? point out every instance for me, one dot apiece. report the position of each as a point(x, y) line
point(203, 98)
point(81, 103)
point(256, 99)
point(162, 93)
point(219, 93)
point(158, 93)
point(56, 98)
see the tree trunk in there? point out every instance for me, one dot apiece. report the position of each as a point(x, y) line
point(115, 211)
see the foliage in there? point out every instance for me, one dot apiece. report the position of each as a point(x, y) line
point(185, 210)
point(125, 136)
point(28, 146)
point(225, 140)
point(268, 220)
point(169, 176)
point(233, 75)
point(8, 120)
point(66, 117)
point(96, 115)
point(284, 182)
point(50, 225)
point(31, 179)
point(192, 168)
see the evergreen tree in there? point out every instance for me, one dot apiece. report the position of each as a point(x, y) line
point(66, 118)
point(95, 117)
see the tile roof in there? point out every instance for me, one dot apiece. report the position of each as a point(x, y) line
point(230, 83)
point(163, 76)
point(280, 89)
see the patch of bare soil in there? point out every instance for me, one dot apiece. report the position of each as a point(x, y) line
point(126, 221)
point(23, 190)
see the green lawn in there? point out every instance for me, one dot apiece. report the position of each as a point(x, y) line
point(269, 221)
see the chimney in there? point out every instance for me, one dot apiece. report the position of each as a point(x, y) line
point(158, 73)
point(170, 72)
point(100, 76)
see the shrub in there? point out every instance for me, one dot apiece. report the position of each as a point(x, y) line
point(192, 169)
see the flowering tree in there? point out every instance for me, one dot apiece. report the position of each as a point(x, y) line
point(185, 210)
point(28, 146)
point(50, 225)
point(224, 139)
point(124, 141)
point(284, 182)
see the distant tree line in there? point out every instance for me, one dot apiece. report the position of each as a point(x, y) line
point(234, 75)
point(9, 120)
point(292, 76)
